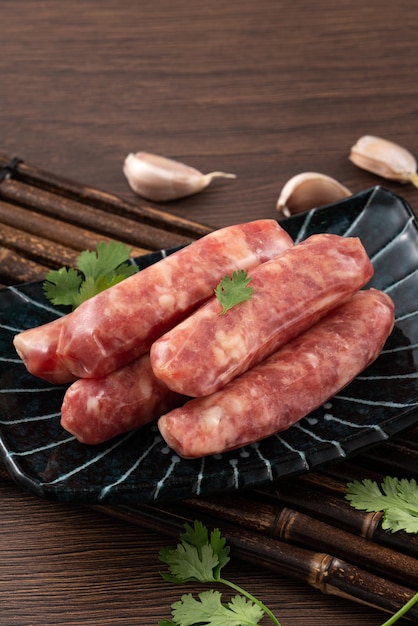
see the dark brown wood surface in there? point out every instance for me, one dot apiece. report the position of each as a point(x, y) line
point(263, 89)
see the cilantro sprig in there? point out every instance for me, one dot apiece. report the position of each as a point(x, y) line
point(200, 557)
point(95, 271)
point(233, 290)
point(397, 499)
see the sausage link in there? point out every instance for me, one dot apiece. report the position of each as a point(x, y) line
point(291, 292)
point(37, 347)
point(290, 384)
point(95, 410)
point(120, 324)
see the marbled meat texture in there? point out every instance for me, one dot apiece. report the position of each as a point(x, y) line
point(95, 410)
point(291, 292)
point(287, 386)
point(120, 324)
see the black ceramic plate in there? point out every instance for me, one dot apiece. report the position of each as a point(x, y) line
point(139, 467)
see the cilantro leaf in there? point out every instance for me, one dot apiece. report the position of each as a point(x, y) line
point(397, 499)
point(245, 609)
point(221, 550)
point(233, 290)
point(95, 271)
point(200, 556)
point(208, 609)
point(61, 286)
point(104, 261)
point(188, 563)
point(197, 557)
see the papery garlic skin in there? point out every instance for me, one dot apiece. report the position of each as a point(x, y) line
point(384, 158)
point(161, 179)
point(309, 190)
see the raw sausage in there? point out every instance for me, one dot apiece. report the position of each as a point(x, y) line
point(95, 410)
point(294, 381)
point(291, 292)
point(37, 347)
point(120, 324)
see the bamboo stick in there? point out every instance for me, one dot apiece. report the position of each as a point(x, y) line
point(408, 437)
point(392, 458)
point(107, 202)
point(26, 257)
point(291, 526)
point(56, 231)
point(103, 222)
point(312, 496)
point(323, 571)
point(50, 254)
point(15, 269)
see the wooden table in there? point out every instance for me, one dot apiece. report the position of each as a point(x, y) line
point(263, 89)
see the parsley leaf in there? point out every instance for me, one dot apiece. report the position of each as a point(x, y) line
point(199, 557)
point(209, 610)
point(61, 286)
point(104, 261)
point(397, 499)
point(95, 271)
point(233, 290)
point(188, 563)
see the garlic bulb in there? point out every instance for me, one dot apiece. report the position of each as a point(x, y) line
point(384, 158)
point(309, 190)
point(159, 179)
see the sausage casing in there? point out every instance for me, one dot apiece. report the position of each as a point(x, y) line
point(120, 323)
point(290, 293)
point(287, 386)
point(37, 347)
point(97, 409)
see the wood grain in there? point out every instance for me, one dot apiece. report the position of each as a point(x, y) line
point(80, 567)
point(263, 90)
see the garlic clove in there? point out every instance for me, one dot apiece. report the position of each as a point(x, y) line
point(384, 158)
point(309, 190)
point(160, 179)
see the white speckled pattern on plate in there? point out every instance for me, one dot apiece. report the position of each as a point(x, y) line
point(138, 467)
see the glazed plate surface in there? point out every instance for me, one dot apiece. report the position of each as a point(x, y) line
point(138, 467)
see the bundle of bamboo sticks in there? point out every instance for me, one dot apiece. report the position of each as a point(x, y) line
point(46, 221)
point(305, 528)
